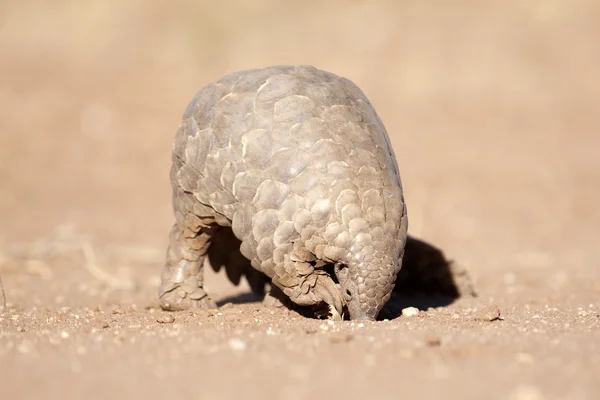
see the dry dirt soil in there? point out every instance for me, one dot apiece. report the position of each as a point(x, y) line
point(494, 112)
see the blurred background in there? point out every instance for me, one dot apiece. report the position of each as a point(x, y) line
point(493, 109)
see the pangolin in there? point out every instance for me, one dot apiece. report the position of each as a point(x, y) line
point(293, 165)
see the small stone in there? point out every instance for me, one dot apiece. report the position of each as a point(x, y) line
point(489, 313)
point(165, 319)
point(231, 311)
point(433, 341)
point(237, 344)
point(340, 337)
point(271, 332)
point(410, 312)
point(117, 309)
point(64, 334)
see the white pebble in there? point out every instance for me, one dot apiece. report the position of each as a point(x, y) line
point(410, 312)
point(237, 344)
point(271, 332)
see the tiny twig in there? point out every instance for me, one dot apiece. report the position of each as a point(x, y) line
point(3, 295)
point(100, 274)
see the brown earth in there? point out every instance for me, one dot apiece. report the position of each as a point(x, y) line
point(494, 112)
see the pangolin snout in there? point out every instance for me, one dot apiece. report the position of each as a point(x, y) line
point(363, 301)
point(358, 310)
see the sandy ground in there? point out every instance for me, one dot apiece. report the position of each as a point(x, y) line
point(494, 113)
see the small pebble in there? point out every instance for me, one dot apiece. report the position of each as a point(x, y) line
point(340, 337)
point(271, 332)
point(165, 319)
point(237, 344)
point(231, 310)
point(410, 312)
point(433, 341)
point(117, 309)
point(489, 313)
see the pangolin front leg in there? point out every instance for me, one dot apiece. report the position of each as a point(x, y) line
point(182, 278)
point(306, 285)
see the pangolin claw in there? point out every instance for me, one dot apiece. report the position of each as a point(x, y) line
point(334, 315)
point(177, 298)
point(329, 292)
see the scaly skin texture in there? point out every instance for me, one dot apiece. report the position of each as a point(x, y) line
point(296, 162)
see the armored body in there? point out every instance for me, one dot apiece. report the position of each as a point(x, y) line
point(295, 162)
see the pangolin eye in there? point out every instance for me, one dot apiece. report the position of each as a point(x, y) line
point(341, 268)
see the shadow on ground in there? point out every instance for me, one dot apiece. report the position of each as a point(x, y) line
point(427, 278)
